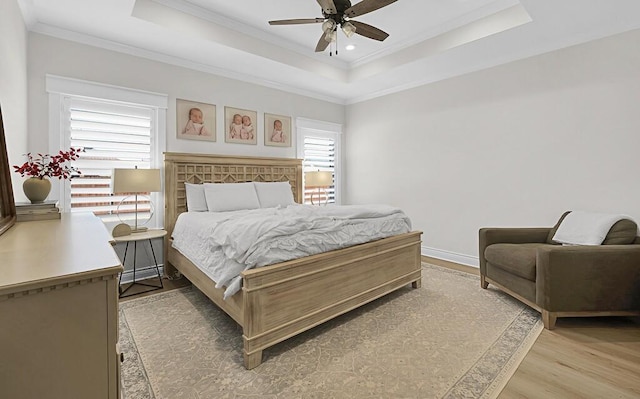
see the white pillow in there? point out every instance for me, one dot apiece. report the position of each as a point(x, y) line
point(222, 197)
point(195, 197)
point(274, 194)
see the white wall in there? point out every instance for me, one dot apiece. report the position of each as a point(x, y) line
point(13, 86)
point(48, 55)
point(514, 145)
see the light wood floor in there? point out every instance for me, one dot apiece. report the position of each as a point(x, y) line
point(595, 357)
point(582, 358)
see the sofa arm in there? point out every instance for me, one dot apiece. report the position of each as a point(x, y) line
point(508, 235)
point(588, 278)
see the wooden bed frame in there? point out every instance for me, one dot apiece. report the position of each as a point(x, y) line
point(279, 301)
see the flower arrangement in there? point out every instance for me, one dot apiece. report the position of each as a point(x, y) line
point(45, 165)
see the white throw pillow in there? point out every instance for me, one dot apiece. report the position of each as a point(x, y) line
point(222, 197)
point(196, 201)
point(274, 194)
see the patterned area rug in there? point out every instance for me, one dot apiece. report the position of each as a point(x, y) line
point(448, 339)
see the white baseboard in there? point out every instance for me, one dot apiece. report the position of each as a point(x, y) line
point(450, 256)
point(142, 273)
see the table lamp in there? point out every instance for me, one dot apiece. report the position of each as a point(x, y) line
point(134, 181)
point(319, 179)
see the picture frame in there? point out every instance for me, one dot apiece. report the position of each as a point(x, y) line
point(195, 120)
point(274, 137)
point(236, 128)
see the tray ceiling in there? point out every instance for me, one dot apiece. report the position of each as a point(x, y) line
point(429, 40)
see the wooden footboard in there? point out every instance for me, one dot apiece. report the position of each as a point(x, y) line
point(285, 299)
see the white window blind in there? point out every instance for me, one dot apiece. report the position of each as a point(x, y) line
point(319, 154)
point(113, 135)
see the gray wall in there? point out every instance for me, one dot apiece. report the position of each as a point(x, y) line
point(514, 145)
point(13, 85)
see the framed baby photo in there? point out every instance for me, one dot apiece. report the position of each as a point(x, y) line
point(277, 130)
point(195, 121)
point(240, 126)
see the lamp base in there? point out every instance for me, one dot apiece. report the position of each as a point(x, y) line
point(124, 229)
point(121, 230)
point(320, 203)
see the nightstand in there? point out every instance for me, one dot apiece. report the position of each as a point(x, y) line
point(134, 238)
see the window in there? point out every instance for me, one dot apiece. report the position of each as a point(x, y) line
point(319, 147)
point(118, 128)
point(319, 154)
point(113, 136)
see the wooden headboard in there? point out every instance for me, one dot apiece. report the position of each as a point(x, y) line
point(204, 168)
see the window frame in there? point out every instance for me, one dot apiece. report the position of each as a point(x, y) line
point(328, 130)
point(61, 89)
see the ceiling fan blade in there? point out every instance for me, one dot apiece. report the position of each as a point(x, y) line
point(369, 31)
point(322, 44)
point(296, 21)
point(328, 6)
point(366, 6)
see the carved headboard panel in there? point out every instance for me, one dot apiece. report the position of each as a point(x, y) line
point(204, 168)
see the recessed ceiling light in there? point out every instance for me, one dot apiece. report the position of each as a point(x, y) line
point(350, 47)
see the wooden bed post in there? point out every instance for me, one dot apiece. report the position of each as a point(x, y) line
point(169, 216)
point(253, 360)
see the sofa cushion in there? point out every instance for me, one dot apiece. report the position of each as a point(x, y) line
point(555, 229)
point(517, 259)
point(621, 233)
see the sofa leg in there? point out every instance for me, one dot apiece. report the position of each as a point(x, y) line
point(549, 319)
point(483, 282)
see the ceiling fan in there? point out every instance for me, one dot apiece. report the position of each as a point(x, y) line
point(339, 13)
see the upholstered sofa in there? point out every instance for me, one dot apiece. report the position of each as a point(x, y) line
point(564, 281)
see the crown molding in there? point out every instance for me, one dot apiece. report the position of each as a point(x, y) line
point(76, 37)
point(28, 13)
point(468, 18)
point(242, 28)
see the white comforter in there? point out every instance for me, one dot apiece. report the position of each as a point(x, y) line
point(223, 244)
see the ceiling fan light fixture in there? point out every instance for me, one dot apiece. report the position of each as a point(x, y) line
point(331, 36)
point(348, 28)
point(339, 13)
point(328, 26)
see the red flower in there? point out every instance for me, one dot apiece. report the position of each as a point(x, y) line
point(45, 165)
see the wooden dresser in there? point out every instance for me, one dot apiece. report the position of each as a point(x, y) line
point(59, 310)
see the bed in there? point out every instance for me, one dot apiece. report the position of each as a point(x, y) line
point(281, 300)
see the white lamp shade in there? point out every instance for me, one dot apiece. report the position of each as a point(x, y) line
point(328, 26)
point(135, 180)
point(318, 179)
point(349, 29)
